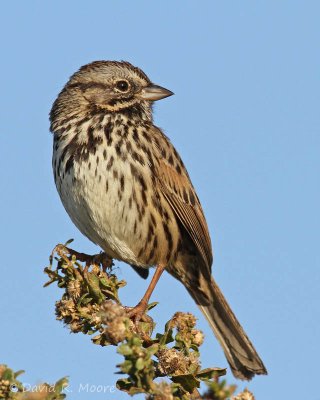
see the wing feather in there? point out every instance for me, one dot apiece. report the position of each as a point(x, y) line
point(180, 194)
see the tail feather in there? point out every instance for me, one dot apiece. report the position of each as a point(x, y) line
point(238, 349)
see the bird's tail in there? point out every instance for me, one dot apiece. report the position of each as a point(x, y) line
point(239, 351)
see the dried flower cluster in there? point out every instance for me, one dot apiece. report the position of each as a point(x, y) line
point(90, 304)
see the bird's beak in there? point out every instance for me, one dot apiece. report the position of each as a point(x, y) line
point(154, 92)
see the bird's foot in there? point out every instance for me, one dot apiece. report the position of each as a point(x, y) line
point(138, 313)
point(143, 323)
point(96, 259)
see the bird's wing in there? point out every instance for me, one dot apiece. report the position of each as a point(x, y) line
point(180, 194)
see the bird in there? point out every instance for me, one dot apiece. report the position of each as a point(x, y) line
point(125, 187)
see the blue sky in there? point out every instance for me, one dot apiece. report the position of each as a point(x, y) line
point(245, 119)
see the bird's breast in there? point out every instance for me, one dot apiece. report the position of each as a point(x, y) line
point(111, 195)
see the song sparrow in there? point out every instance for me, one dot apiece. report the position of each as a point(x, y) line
point(125, 187)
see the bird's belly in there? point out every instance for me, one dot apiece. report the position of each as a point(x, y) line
point(100, 205)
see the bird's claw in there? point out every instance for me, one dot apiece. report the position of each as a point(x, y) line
point(137, 313)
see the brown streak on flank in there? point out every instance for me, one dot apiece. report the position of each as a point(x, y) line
point(151, 254)
point(118, 149)
point(156, 141)
point(122, 183)
point(155, 242)
point(110, 163)
point(134, 171)
point(142, 183)
point(166, 215)
point(119, 195)
point(169, 239)
point(147, 151)
point(141, 212)
point(115, 174)
point(150, 232)
point(104, 154)
point(144, 198)
point(140, 252)
point(157, 204)
point(137, 157)
point(145, 135)
point(129, 147)
point(153, 220)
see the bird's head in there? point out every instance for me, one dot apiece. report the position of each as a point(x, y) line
point(112, 86)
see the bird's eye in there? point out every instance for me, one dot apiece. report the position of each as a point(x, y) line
point(123, 86)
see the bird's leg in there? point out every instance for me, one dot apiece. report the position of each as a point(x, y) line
point(137, 312)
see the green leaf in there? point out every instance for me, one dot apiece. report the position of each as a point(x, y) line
point(8, 375)
point(195, 348)
point(124, 349)
point(136, 341)
point(101, 340)
point(140, 364)
point(94, 286)
point(210, 373)
point(61, 384)
point(166, 338)
point(82, 300)
point(86, 300)
point(20, 372)
point(146, 327)
point(127, 385)
point(152, 305)
point(49, 283)
point(126, 366)
point(153, 349)
point(105, 283)
point(188, 382)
